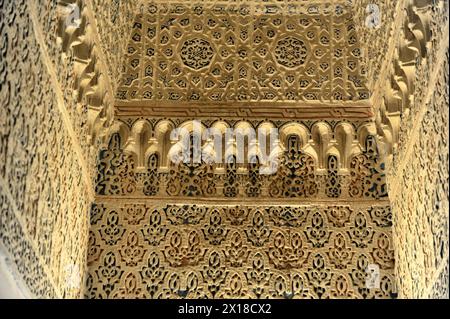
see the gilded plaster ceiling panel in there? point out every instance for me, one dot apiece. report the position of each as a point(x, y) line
point(285, 59)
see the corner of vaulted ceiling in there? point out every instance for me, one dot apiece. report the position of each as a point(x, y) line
point(125, 42)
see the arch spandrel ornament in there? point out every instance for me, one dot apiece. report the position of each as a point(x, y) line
point(298, 175)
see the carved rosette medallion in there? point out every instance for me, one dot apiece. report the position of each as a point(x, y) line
point(291, 52)
point(196, 53)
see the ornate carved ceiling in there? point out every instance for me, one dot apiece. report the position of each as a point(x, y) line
point(292, 59)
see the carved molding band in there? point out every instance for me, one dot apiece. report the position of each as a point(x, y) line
point(137, 163)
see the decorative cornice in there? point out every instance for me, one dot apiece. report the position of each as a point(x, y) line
point(349, 110)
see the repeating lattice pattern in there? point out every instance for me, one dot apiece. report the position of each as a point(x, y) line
point(421, 200)
point(148, 250)
point(43, 195)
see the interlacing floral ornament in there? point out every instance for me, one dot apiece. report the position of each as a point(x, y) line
point(368, 173)
point(204, 251)
point(191, 180)
point(295, 177)
point(115, 171)
point(333, 186)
